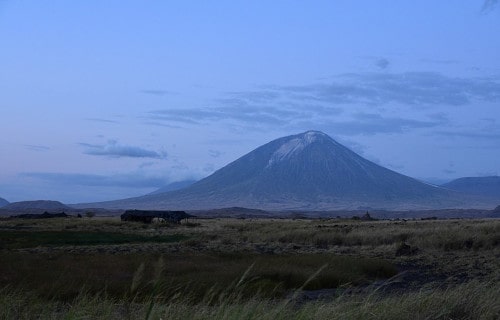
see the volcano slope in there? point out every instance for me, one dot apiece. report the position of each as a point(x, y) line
point(304, 171)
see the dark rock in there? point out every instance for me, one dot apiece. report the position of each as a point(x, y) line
point(405, 249)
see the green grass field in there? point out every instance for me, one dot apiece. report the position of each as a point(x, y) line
point(29, 239)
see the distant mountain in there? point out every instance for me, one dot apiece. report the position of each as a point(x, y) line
point(485, 186)
point(308, 171)
point(234, 212)
point(39, 205)
point(174, 186)
point(3, 202)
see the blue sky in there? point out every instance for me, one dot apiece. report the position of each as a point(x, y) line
point(102, 100)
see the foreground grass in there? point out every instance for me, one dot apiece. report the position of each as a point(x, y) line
point(250, 269)
point(473, 300)
point(60, 276)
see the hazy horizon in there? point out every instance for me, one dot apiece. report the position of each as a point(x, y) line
point(108, 100)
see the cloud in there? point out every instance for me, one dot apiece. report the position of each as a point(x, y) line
point(347, 104)
point(114, 150)
point(238, 108)
point(371, 124)
point(146, 164)
point(439, 116)
point(353, 145)
point(487, 173)
point(161, 124)
point(189, 116)
point(215, 153)
point(410, 89)
point(255, 96)
point(394, 166)
point(36, 147)
point(439, 61)
point(241, 113)
point(101, 120)
point(470, 135)
point(488, 6)
point(157, 92)
point(382, 63)
point(208, 168)
point(132, 180)
point(376, 123)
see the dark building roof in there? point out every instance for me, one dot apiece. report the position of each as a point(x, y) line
point(149, 215)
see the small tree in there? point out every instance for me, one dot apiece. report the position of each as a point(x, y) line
point(89, 214)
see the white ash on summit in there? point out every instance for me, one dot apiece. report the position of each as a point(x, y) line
point(296, 145)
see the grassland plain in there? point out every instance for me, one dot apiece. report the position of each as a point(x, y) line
point(250, 268)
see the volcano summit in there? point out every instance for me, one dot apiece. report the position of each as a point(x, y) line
point(308, 171)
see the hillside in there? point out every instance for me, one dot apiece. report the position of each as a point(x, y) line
point(3, 202)
point(36, 205)
point(485, 186)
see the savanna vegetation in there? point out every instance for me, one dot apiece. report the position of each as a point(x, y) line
point(93, 268)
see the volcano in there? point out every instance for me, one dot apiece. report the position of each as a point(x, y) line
point(308, 171)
